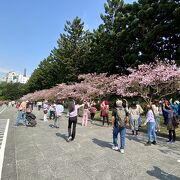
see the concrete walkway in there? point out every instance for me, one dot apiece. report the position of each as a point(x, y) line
point(42, 153)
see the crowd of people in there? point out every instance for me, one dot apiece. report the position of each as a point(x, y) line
point(123, 115)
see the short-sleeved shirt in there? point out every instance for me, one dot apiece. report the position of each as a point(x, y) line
point(59, 109)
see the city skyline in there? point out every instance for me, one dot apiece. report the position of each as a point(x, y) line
point(14, 77)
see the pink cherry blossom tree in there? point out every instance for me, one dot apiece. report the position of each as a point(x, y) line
point(103, 84)
point(147, 80)
point(154, 79)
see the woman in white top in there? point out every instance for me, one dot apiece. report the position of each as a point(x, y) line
point(73, 112)
point(150, 121)
point(156, 111)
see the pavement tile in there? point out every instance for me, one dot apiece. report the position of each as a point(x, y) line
point(42, 153)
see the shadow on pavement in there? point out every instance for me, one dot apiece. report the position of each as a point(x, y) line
point(135, 138)
point(158, 173)
point(51, 125)
point(161, 142)
point(96, 124)
point(170, 150)
point(102, 143)
point(78, 123)
point(62, 136)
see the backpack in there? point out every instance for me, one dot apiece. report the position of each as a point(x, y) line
point(121, 117)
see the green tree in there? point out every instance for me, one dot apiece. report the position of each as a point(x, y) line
point(11, 91)
point(158, 21)
point(70, 54)
point(45, 76)
point(129, 35)
point(110, 43)
point(66, 61)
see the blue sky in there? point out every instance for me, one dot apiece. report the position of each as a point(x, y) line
point(29, 29)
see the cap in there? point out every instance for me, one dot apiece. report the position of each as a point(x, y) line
point(119, 103)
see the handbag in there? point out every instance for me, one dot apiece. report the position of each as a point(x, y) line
point(175, 121)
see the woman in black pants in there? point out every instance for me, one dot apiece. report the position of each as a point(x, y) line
point(73, 112)
point(170, 126)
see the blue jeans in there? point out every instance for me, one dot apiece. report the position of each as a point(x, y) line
point(140, 120)
point(20, 118)
point(151, 131)
point(122, 132)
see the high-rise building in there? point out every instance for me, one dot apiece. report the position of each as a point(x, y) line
point(24, 72)
point(13, 77)
point(22, 79)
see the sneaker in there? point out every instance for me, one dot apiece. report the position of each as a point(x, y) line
point(148, 144)
point(172, 142)
point(69, 139)
point(168, 141)
point(122, 151)
point(115, 148)
point(154, 142)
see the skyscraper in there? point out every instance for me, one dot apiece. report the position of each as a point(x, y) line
point(24, 72)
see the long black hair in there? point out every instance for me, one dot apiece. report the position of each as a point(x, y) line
point(71, 106)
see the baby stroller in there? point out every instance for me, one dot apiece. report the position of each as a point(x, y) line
point(31, 119)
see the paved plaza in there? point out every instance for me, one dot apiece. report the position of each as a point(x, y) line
point(42, 153)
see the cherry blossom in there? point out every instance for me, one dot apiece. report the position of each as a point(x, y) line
point(158, 79)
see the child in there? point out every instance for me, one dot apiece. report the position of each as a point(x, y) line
point(52, 111)
point(85, 115)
